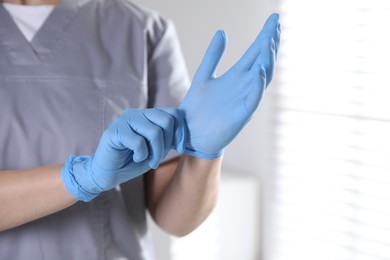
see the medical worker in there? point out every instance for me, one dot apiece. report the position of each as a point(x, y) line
point(97, 125)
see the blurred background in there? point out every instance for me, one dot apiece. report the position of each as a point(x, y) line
point(309, 177)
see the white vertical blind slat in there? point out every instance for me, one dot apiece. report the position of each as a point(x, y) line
point(331, 176)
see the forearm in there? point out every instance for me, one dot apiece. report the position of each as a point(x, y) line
point(189, 197)
point(26, 195)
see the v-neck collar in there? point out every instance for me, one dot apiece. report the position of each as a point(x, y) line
point(19, 50)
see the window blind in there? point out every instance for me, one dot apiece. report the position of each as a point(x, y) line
point(330, 191)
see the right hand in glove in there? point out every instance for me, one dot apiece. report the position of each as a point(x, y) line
point(134, 143)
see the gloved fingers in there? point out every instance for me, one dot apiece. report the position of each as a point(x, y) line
point(155, 139)
point(179, 128)
point(129, 138)
point(266, 59)
point(256, 90)
point(177, 131)
point(212, 57)
point(142, 136)
point(165, 119)
point(271, 29)
point(277, 40)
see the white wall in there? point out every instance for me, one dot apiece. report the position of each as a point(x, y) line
point(231, 232)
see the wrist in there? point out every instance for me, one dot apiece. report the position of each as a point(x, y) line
point(199, 167)
point(76, 175)
point(182, 139)
point(207, 156)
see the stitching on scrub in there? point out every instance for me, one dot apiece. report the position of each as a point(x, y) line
point(40, 244)
point(102, 108)
point(55, 43)
point(3, 49)
point(102, 83)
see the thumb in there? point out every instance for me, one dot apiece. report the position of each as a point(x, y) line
point(180, 128)
point(211, 59)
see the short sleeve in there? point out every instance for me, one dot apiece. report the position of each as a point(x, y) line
point(168, 79)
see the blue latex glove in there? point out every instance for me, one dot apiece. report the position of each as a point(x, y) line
point(217, 108)
point(134, 143)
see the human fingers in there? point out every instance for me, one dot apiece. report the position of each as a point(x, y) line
point(256, 90)
point(271, 29)
point(151, 134)
point(165, 119)
point(126, 137)
point(212, 57)
point(266, 60)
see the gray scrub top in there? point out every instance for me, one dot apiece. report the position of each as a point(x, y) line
point(90, 60)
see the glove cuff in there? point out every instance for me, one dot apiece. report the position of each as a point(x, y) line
point(74, 171)
point(203, 155)
point(180, 131)
point(181, 143)
point(180, 140)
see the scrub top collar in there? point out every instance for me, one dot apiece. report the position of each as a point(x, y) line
point(21, 52)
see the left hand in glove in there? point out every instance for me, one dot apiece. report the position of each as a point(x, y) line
point(217, 108)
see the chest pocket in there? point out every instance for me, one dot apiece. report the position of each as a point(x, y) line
point(44, 119)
